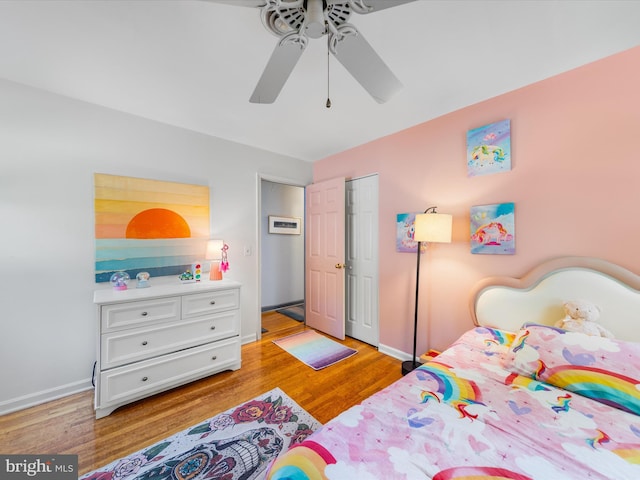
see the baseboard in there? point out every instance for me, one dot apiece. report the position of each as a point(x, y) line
point(37, 398)
point(394, 352)
point(44, 396)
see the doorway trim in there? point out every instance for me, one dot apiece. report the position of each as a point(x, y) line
point(258, 254)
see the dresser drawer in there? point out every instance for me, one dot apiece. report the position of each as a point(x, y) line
point(210, 302)
point(137, 314)
point(127, 346)
point(141, 379)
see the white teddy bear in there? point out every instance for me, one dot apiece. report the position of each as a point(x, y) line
point(582, 316)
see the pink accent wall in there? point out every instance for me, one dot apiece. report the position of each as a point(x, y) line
point(575, 181)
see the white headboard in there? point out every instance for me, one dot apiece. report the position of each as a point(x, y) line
point(507, 303)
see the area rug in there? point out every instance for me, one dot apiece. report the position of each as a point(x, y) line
point(237, 444)
point(294, 311)
point(314, 349)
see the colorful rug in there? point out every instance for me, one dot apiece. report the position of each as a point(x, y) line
point(314, 349)
point(294, 311)
point(237, 444)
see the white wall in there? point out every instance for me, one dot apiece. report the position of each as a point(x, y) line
point(282, 255)
point(50, 147)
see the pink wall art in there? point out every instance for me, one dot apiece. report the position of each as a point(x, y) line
point(489, 149)
point(493, 229)
point(404, 233)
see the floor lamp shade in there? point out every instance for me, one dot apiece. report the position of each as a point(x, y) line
point(433, 227)
point(214, 253)
point(429, 227)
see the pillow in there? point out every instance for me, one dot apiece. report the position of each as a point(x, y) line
point(491, 340)
point(495, 336)
point(603, 369)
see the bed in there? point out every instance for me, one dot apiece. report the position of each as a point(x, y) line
point(512, 398)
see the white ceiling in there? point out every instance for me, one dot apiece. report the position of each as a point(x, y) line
point(194, 64)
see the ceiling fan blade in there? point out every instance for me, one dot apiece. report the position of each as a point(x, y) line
point(241, 3)
point(363, 63)
point(283, 59)
point(371, 6)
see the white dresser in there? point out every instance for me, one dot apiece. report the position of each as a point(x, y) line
point(153, 339)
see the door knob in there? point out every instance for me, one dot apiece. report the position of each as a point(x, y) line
point(340, 265)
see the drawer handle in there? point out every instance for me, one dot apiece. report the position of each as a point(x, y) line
point(144, 343)
point(213, 327)
point(144, 314)
point(215, 357)
point(212, 302)
point(144, 379)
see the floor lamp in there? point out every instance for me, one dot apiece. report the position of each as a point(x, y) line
point(430, 227)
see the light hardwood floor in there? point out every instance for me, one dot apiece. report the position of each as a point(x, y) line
point(68, 425)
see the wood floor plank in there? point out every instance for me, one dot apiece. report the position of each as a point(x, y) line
point(68, 425)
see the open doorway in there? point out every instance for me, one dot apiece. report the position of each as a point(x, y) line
point(281, 246)
point(282, 256)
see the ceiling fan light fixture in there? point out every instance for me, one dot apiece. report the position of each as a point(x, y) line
point(314, 25)
point(280, 17)
point(274, 23)
point(295, 21)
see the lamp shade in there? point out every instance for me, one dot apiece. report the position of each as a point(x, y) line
point(214, 249)
point(433, 227)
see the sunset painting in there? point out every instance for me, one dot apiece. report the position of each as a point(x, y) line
point(148, 225)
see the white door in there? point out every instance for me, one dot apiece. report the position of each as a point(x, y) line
point(362, 259)
point(325, 256)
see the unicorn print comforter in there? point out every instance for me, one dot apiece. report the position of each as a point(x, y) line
point(540, 404)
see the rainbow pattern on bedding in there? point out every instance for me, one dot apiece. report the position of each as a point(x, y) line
point(603, 369)
point(304, 461)
point(518, 381)
point(520, 341)
point(498, 337)
point(606, 387)
point(456, 391)
point(631, 453)
point(467, 415)
point(600, 439)
point(479, 473)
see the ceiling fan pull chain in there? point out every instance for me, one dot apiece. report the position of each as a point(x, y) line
point(328, 99)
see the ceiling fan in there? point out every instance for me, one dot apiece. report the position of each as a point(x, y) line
point(295, 21)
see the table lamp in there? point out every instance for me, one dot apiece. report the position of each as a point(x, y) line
point(214, 253)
